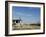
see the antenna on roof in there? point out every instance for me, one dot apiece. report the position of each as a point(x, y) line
point(19, 18)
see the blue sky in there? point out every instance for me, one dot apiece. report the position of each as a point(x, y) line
point(27, 14)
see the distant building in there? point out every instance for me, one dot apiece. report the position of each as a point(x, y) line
point(17, 21)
